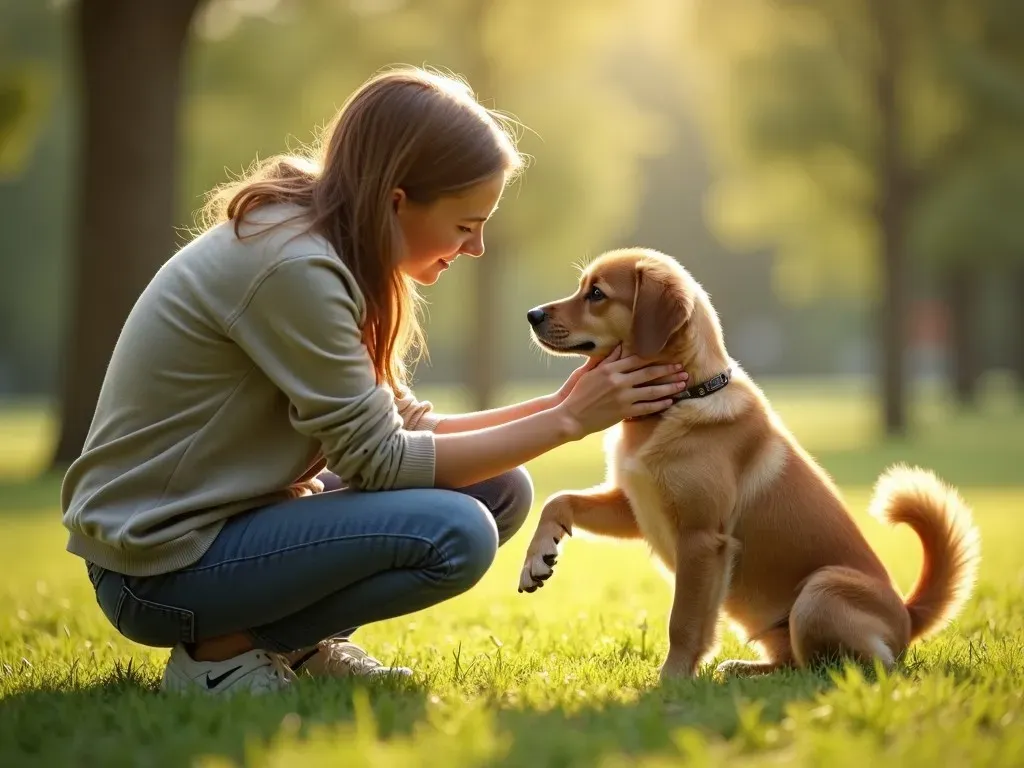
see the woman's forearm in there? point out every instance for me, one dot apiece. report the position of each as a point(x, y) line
point(464, 458)
point(468, 422)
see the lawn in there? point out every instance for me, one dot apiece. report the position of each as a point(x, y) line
point(564, 677)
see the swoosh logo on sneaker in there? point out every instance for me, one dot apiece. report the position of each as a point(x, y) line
point(213, 682)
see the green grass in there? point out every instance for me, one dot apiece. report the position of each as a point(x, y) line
point(564, 677)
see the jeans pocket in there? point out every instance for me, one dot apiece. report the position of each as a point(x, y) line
point(95, 573)
point(150, 623)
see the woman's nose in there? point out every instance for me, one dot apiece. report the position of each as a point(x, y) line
point(474, 247)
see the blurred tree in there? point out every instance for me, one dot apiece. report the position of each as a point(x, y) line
point(129, 56)
point(1016, 336)
point(26, 86)
point(33, 163)
point(808, 102)
point(967, 224)
point(835, 122)
point(16, 131)
point(893, 201)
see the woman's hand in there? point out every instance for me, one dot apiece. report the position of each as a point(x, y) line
point(616, 388)
point(570, 383)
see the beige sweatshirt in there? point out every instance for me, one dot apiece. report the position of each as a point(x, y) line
point(239, 375)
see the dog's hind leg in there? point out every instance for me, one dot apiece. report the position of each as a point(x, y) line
point(841, 613)
point(603, 510)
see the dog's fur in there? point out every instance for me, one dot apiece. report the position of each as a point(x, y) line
point(726, 498)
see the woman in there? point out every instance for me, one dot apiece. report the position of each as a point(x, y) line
point(258, 480)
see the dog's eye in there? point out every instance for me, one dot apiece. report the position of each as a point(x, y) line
point(594, 294)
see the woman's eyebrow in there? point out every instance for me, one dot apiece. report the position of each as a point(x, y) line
point(479, 219)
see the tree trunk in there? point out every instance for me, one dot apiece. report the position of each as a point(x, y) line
point(1017, 326)
point(963, 293)
point(130, 60)
point(893, 203)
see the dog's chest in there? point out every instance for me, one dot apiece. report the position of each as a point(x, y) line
point(630, 474)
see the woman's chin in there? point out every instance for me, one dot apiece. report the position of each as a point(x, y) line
point(425, 277)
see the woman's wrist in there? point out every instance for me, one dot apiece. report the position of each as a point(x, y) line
point(567, 425)
point(461, 459)
point(469, 422)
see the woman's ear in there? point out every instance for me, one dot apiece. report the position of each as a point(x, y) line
point(398, 198)
point(660, 308)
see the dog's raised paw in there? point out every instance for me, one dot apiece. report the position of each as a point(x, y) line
point(539, 566)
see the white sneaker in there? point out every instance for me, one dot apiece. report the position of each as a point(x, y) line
point(340, 658)
point(255, 671)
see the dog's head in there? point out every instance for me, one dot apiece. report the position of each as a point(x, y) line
point(638, 298)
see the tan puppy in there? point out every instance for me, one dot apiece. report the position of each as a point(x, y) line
point(742, 516)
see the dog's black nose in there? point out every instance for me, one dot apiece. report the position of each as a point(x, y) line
point(536, 316)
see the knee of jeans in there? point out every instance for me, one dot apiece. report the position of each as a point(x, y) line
point(516, 502)
point(473, 538)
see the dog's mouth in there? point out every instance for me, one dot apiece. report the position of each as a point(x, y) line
point(583, 346)
point(586, 346)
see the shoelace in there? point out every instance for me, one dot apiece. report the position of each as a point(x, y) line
point(352, 655)
point(279, 667)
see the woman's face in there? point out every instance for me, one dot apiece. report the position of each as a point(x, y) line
point(434, 235)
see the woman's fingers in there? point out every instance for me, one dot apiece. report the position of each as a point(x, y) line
point(659, 391)
point(646, 409)
point(639, 371)
point(653, 372)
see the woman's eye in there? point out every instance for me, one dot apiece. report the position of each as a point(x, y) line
point(595, 294)
point(467, 230)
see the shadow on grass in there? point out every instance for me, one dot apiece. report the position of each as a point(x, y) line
point(124, 720)
point(739, 708)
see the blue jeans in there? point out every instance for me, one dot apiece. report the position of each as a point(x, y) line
point(295, 573)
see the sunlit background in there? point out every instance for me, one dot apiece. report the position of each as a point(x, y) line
point(845, 177)
point(844, 180)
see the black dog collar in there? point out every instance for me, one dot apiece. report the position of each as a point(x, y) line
point(705, 388)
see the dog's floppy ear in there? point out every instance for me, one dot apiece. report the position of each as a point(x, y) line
point(660, 307)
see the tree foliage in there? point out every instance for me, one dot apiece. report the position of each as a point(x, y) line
point(785, 91)
point(26, 88)
point(854, 136)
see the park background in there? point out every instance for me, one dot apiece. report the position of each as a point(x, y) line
point(845, 177)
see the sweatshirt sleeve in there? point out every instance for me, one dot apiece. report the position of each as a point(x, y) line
point(299, 325)
point(417, 414)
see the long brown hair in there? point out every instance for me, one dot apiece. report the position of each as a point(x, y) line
point(406, 128)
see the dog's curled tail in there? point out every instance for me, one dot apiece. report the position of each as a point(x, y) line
point(949, 538)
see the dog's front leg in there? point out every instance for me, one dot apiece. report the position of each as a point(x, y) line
point(703, 565)
point(603, 510)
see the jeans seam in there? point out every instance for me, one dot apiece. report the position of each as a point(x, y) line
point(120, 606)
point(433, 547)
point(186, 618)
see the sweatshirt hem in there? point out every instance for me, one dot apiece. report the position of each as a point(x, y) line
point(154, 561)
